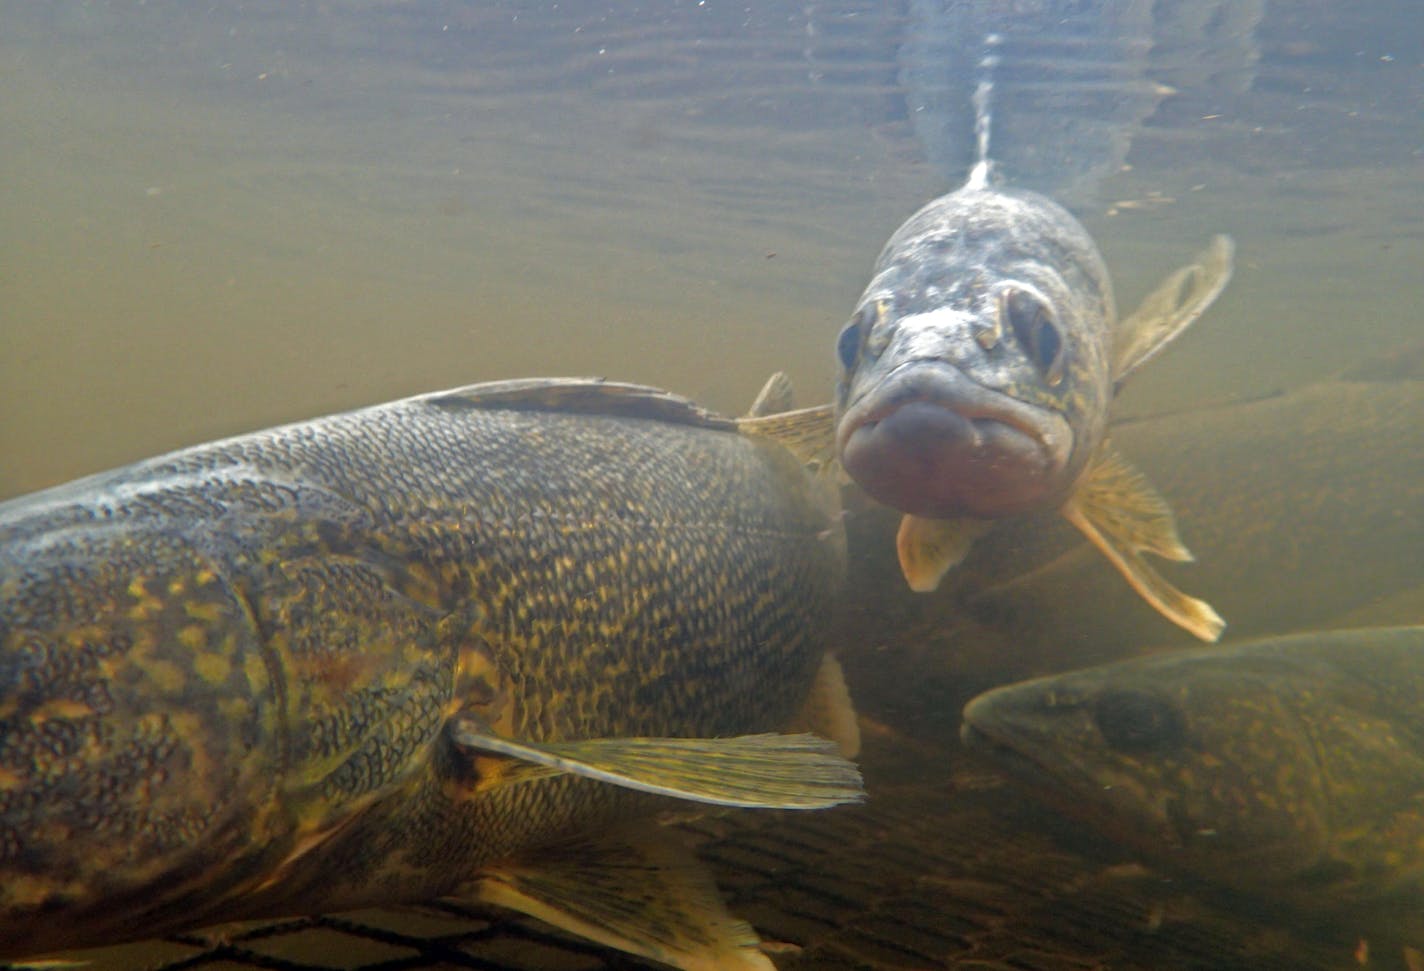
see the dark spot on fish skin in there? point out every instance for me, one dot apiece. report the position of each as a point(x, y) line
point(1138, 721)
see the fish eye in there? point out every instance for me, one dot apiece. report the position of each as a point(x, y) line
point(1137, 721)
point(853, 335)
point(1036, 330)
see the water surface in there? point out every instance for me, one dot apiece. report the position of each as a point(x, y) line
point(217, 217)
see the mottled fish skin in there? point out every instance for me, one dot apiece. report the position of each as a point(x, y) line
point(974, 375)
point(1289, 770)
point(225, 674)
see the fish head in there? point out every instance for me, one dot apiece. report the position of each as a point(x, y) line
point(1205, 764)
point(974, 371)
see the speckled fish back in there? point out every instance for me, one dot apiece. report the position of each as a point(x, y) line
point(211, 659)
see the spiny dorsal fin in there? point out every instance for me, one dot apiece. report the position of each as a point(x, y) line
point(583, 396)
point(829, 711)
point(1171, 308)
point(808, 433)
point(644, 894)
point(1124, 516)
point(930, 548)
point(749, 771)
point(775, 396)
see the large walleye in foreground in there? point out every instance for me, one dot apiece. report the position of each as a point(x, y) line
point(1289, 770)
point(456, 645)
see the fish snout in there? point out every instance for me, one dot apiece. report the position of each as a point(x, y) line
point(930, 441)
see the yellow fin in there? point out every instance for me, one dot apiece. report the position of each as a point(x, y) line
point(1124, 516)
point(930, 548)
point(646, 895)
point(808, 433)
point(775, 396)
point(750, 771)
point(829, 711)
point(1171, 308)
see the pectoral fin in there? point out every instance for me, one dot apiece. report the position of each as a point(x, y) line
point(930, 548)
point(751, 771)
point(1124, 516)
point(1171, 308)
point(646, 895)
point(808, 433)
point(829, 711)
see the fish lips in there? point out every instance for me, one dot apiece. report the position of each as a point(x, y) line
point(930, 441)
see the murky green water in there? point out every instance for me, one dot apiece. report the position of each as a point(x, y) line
point(218, 217)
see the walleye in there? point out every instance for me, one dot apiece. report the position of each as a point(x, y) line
point(976, 377)
point(976, 374)
point(452, 645)
point(1289, 770)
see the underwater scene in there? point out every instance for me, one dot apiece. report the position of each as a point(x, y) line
point(673, 483)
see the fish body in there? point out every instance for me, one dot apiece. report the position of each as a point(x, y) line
point(976, 377)
point(1289, 770)
point(379, 656)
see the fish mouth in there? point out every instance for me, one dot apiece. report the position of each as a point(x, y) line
point(930, 441)
point(1053, 783)
point(978, 737)
point(1033, 777)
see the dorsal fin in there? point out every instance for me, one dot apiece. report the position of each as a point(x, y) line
point(582, 396)
point(775, 397)
point(808, 433)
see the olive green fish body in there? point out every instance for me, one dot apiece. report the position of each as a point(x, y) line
point(1290, 770)
point(228, 675)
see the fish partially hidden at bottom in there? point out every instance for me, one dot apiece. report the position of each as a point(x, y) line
point(1288, 770)
point(456, 645)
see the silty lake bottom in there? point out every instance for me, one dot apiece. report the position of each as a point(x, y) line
point(221, 220)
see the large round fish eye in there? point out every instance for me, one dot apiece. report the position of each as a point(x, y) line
point(1137, 721)
point(1037, 332)
point(853, 335)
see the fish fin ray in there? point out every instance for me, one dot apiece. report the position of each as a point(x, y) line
point(829, 711)
point(930, 548)
point(769, 771)
point(1172, 307)
point(807, 433)
point(582, 396)
point(1120, 512)
point(646, 895)
point(775, 397)
point(1119, 497)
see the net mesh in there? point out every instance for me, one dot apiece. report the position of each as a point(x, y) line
point(944, 867)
